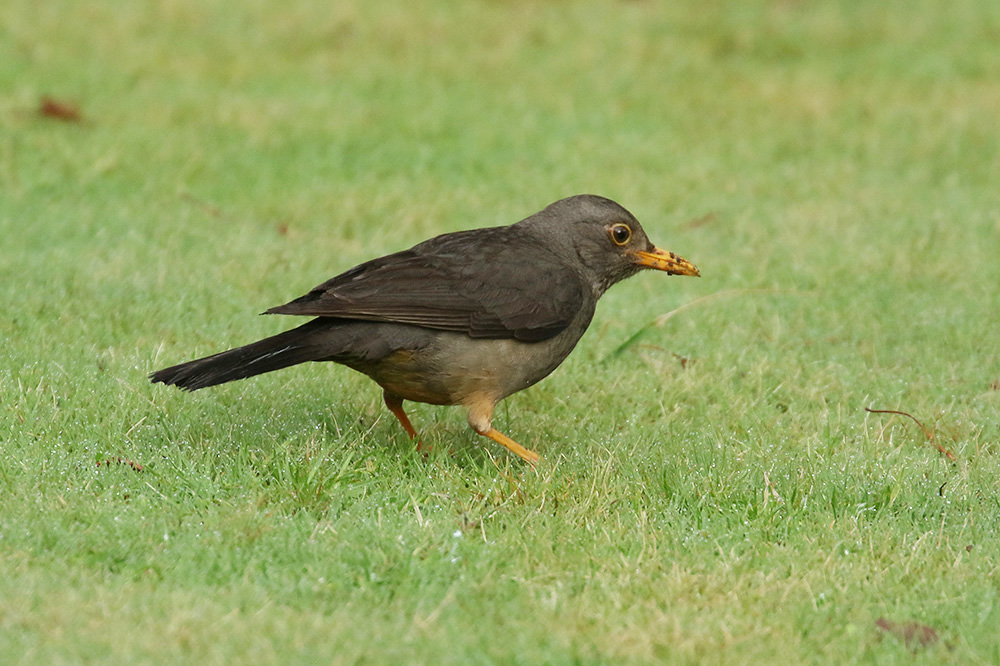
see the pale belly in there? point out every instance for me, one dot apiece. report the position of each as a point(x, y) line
point(453, 368)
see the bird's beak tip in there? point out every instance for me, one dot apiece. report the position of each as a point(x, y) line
point(663, 260)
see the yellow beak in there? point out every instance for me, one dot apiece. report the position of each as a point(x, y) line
point(662, 260)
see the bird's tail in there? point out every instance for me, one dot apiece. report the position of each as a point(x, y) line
point(279, 351)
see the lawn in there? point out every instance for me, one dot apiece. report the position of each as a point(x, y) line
point(712, 488)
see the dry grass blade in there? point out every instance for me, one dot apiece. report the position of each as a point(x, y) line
point(927, 433)
point(666, 316)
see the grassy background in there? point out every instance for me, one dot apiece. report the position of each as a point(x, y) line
point(831, 167)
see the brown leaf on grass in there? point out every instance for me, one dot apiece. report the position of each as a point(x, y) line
point(120, 461)
point(49, 107)
point(912, 634)
point(927, 433)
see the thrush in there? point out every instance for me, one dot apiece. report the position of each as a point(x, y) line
point(465, 318)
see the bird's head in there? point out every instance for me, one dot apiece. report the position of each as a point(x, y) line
point(603, 240)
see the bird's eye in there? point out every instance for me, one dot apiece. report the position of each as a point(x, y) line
point(621, 234)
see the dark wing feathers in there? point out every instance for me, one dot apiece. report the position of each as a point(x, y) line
point(491, 285)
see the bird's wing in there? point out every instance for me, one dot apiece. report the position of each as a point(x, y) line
point(492, 284)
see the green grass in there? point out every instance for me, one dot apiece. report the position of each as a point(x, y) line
point(832, 167)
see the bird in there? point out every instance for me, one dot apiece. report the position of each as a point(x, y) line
point(465, 318)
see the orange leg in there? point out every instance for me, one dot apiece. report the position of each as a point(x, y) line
point(481, 419)
point(395, 405)
point(527, 455)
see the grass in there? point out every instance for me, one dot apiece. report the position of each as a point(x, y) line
point(831, 168)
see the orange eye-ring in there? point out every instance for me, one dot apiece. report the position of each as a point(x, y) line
point(621, 234)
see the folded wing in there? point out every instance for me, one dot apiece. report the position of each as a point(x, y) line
point(501, 285)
